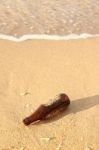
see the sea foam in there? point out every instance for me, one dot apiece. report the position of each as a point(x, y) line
point(48, 37)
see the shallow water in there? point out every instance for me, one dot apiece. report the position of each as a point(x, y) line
point(57, 17)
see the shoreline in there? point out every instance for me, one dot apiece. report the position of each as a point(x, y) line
point(48, 37)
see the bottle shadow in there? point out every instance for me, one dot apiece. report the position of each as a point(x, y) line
point(74, 107)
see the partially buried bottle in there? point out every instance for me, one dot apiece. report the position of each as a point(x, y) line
point(46, 111)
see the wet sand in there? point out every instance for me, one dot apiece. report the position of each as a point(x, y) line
point(34, 71)
point(58, 17)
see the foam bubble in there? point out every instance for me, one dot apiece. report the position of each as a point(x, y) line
point(48, 37)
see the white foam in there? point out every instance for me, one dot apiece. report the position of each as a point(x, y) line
point(49, 37)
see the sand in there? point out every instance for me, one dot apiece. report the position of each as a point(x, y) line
point(34, 71)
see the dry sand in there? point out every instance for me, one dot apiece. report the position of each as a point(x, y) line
point(42, 69)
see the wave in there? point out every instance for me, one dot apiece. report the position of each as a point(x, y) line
point(48, 37)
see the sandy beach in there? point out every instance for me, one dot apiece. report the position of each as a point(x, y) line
point(33, 72)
